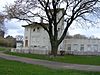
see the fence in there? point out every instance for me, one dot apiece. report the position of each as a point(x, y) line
point(83, 52)
point(45, 51)
point(30, 50)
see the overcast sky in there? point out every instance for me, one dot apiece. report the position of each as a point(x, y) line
point(15, 28)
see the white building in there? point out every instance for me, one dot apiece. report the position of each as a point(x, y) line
point(82, 46)
point(36, 40)
point(36, 37)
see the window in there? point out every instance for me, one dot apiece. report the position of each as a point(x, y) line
point(69, 47)
point(89, 47)
point(82, 47)
point(35, 46)
point(43, 46)
point(75, 46)
point(33, 30)
point(38, 29)
point(95, 47)
point(58, 29)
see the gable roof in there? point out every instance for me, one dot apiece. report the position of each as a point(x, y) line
point(34, 24)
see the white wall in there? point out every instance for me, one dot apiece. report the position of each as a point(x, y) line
point(38, 38)
point(27, 35)
point(89, 44)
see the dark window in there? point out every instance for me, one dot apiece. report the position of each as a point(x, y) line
point(33, 30)
point(82, 47)
point(75, 46)
point(95, 47)
point(58, 29)
point(38, 29)
point(69, 47)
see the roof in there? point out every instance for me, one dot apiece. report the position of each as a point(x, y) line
point(34, 23)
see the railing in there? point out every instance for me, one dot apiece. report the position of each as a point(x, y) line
point(45, 51)
point(31, 50)
point(83, 52)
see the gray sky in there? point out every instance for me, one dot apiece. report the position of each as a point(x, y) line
point(14, 27)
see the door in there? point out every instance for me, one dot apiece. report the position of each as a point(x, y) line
point(26, 43)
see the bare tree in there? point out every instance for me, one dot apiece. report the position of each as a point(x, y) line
point(2, 26)
point(48, 10)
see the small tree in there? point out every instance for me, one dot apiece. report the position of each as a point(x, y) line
point(28, 10)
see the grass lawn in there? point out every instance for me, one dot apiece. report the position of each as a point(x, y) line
point(3, 48)
point(8, 67)
point(91, 60)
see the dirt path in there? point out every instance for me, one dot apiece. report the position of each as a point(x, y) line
point(51, 64)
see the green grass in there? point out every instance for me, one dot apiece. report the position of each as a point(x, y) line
point(91, 60)
point(8, 67)
point(3, 48)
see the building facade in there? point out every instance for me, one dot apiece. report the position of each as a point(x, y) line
point(82, 46)
point(36, 37)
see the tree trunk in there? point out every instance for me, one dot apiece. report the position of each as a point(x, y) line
point(54, 49)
